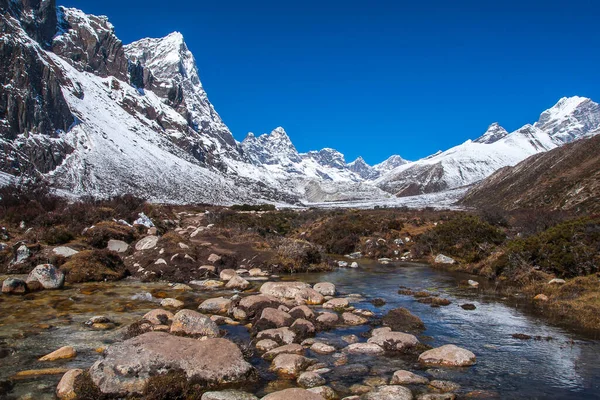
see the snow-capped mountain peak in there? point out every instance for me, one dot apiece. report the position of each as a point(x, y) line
point(392, 162)
point(364, 170)
point(328, 157)
point(570, 119)
point(273, 148)
point(494, 133)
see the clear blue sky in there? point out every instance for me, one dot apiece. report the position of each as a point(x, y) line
point(374, 78)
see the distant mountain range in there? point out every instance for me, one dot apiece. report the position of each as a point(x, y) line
point(95, 117)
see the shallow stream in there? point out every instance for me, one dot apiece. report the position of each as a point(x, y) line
point(565, 367)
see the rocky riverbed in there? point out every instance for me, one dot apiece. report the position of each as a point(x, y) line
point(364, 333)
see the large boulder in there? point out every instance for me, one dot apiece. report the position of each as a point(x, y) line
point(293, 394)
point(395, 341)
point(127, 366)
point(192, 323)
point(47, 275)
point(448, 355)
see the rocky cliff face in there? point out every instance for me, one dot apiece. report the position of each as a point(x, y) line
point(33, 111)
point(89, 43)
point(170, 71)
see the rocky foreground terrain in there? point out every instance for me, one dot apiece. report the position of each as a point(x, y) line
point(236, 321)
point(179, 351)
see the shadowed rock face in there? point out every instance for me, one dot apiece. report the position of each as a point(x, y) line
point(37, 17)
point(31, 101)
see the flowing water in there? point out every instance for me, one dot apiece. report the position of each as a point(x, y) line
point(565, 367)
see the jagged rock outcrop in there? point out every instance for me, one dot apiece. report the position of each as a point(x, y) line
point(89, 43)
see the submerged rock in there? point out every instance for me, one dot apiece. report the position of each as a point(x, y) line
point(394, 341)
point(310, 379)
point(126, 367)
point(63, 353)
point(403, 377)
point(228, 395)
point(402, 320)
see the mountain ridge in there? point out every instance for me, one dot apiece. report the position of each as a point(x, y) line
point(136, 118)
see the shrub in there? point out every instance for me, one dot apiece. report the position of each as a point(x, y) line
point(27, 201)
point(567, 250)
point(94, 266)
point(341, 232)
point(464, 236)
point(257, 207)
point(300, 253)
point(57, 235)
point(99, 235)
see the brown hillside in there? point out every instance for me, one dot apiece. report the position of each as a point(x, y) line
point(566, 178)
